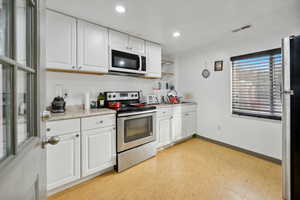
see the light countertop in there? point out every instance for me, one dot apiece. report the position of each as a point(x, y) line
point(175, 105)
point(79, 113)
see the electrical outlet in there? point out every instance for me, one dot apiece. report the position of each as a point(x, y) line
point(66, 92)
point(219, 127)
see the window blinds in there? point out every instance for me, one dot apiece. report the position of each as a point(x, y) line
point(256, 84)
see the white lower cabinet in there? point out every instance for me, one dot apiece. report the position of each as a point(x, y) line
point(174, 125)
point(86, 146)
point(98, 150)
point(63, 161)
point(164, 129)
point(188, 124)
point(177, 133)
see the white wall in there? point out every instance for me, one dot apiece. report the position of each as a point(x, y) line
point(213, 95)
point(78, 84)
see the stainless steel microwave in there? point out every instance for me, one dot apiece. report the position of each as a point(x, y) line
point(122, 61)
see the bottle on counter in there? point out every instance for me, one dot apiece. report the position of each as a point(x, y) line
point(100, 100)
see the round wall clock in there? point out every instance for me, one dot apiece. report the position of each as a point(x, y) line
point(205, 73)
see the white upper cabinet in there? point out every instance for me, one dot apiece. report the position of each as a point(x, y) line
point(60, 41)
point(137, 45)
point(92, 47)
point(153, 60)
point(124, 42)
point(118, 40)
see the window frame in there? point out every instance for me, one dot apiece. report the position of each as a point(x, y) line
point(249, 56)
point(11, 61)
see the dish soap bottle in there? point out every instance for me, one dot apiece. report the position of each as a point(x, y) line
point(100, 100)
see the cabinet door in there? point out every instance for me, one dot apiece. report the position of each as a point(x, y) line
point(164, 131)
point(192, 123)
point(92, 47)
point(98, 150)
point(153, 60)
point(118, 40)
point(137, 45)
point(189, 124)
point(63, 161)
point(177, 133)
point(60, 41)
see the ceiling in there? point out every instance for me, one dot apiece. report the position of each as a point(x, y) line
point(201, 22)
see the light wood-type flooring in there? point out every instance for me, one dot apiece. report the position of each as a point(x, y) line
point(192, 170)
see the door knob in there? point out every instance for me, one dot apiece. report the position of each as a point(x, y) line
point(52, 140)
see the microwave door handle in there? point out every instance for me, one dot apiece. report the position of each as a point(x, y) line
point(140, 58)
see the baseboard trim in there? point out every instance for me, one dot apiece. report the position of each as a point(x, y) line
point(252, 153)
point(77, 182)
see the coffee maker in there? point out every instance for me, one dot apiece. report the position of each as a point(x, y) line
point(58, 105)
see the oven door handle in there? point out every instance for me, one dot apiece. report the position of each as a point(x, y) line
point(138, 114)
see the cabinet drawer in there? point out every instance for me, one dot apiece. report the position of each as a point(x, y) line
point(62, 127)
point(98, 122)
point(188, 108)
point(164, 112)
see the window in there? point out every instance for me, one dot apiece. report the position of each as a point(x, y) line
point(17, 74)
point(256, 84)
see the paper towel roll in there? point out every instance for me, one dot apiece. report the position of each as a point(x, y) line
point(87, 101)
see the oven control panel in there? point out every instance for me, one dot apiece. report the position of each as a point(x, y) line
point(117, 96)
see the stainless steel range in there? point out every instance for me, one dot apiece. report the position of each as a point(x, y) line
point(136, 133)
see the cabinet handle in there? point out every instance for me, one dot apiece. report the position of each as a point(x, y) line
point(52, 140)
point(100, 122)
point(73, 67)
point(77, 135)
point(48, 129)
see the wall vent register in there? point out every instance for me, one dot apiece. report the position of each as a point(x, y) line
point(256, 84)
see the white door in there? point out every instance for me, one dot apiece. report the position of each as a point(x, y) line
point(22, 159)
point(98, 150)
point(118, 40)
point(177, 127)
point(60, 41)
point(92, 47)
point(137, 45)
point(63, 161)
point(164, 131)
point(153, 60)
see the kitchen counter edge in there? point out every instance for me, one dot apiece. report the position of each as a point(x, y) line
point(79, 114)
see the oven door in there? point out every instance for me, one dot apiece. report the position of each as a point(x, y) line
point(125, 62)
point(135, 130)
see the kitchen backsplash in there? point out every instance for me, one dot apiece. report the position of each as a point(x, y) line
point(76, 85)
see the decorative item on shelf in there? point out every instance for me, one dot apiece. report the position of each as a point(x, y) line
point(218, 65)
point(205, 73)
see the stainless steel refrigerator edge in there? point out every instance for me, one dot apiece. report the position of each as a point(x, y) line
point(286, 119)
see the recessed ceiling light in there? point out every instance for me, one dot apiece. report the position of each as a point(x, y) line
point(120, 9)
point(176, 34)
